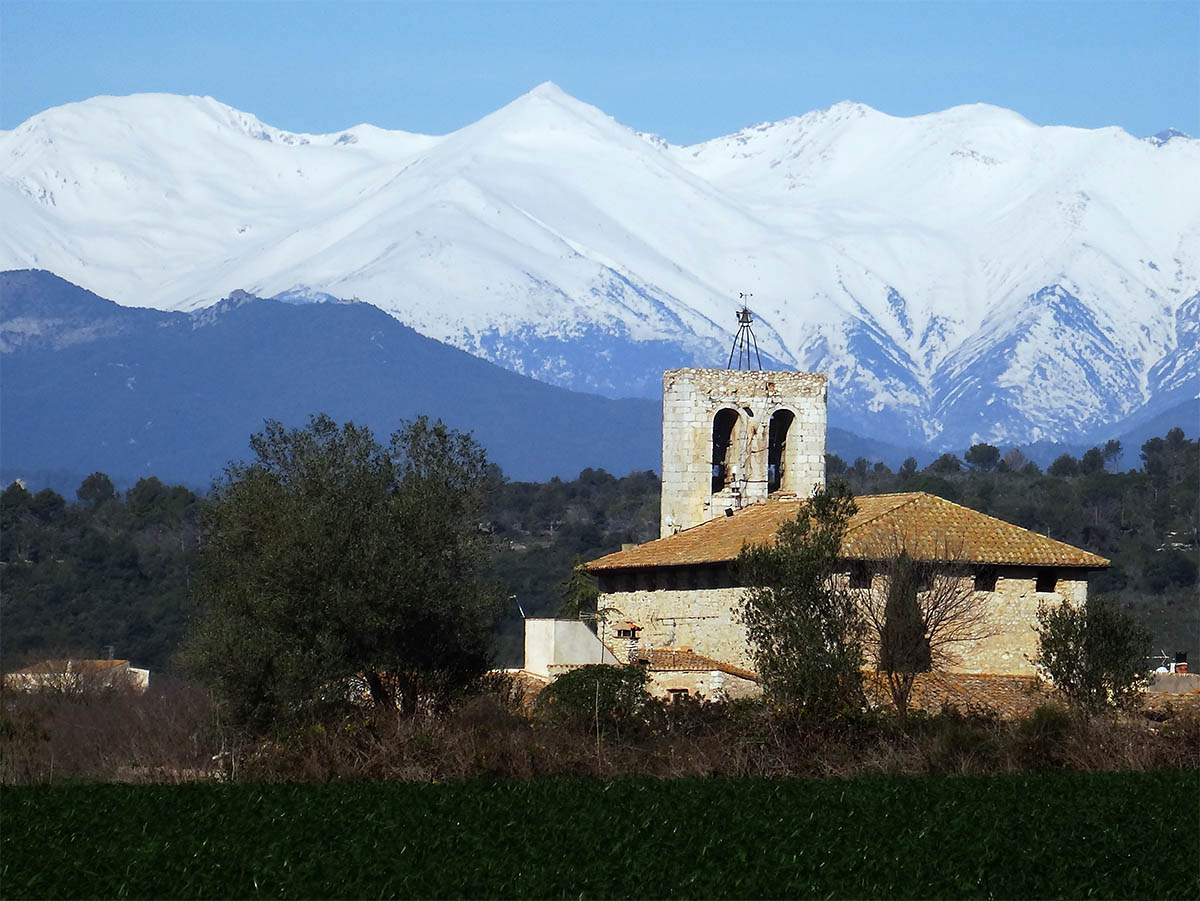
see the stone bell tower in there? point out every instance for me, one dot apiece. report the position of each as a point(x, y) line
point(732, 437)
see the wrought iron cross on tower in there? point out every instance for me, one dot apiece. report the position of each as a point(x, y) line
point(744, 340)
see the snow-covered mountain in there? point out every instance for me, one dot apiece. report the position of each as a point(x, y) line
point(961, 275)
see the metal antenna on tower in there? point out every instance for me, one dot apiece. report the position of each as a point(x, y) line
point(744, 341)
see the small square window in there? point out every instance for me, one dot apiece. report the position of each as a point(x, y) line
point(1047, 581)
point(985, 578)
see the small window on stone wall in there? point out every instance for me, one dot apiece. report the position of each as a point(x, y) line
point(1047, 581)
point(860, 575)
point(985, 578)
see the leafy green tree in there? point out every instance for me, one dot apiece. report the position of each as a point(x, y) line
point(96, 489)
point(835, 465)
point(946, 463)
point(1092, 461)
point(1171, 568)
point(14, 503)
point(47, 505)
point(804, 626)
point(329, 561)
point(1064, 466)
point(983, 457)
point(1097, 654)
point(580, 592)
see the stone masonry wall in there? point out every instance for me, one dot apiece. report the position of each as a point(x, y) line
point(703, 684)
point(691, 400)
point(699, 618)
point(1013, 608)
point(704, 620)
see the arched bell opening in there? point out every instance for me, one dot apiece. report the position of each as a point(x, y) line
point(722, 443)
point(777, 436)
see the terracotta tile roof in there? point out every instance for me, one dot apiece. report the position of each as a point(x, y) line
point(928, 527)
point(1010, 697)
point(685, 660)
point(71, 666)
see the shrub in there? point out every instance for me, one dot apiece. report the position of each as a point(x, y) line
point(1096, 654)
point(610, 699)
point(1042, 735)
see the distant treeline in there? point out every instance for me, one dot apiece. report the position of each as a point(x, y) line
point(111, 568)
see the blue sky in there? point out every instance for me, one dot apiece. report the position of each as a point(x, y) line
point(687, 71)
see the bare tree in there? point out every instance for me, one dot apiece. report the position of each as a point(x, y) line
point(918, 612)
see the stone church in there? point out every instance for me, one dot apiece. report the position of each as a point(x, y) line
point(741, 450)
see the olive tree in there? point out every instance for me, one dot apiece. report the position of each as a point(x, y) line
point(804, 626)
point(328, 562)
point(1096, 654)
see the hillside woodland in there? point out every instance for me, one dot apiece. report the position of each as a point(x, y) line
point(112, 569)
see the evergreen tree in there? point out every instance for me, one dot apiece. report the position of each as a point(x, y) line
point(328, 560)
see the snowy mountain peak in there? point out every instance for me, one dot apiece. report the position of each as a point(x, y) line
point(961, 273)
point(547, 108)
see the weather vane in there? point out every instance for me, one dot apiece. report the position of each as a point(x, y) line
point(744, 341)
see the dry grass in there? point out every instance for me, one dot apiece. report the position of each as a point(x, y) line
point(171, 735)
point(164, 735)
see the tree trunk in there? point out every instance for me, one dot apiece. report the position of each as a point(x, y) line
point(379, 692)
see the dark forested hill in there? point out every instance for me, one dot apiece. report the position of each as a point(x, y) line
point(91, 385)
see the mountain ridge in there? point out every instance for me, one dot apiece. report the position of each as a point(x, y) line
point(952, 271)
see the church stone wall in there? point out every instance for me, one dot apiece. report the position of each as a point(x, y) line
point(692, 398)
point(711, 685)
point(704, 619)
point(1013, 616)
point(698, 618)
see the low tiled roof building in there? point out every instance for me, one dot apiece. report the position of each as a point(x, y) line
point(740, 452)
point(684, 589)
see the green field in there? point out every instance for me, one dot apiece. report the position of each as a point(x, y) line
point(1064, 835)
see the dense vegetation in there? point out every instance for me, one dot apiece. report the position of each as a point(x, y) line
point(1028, 836)
point(114, 570)
point(111, 569)
point(329, 559)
